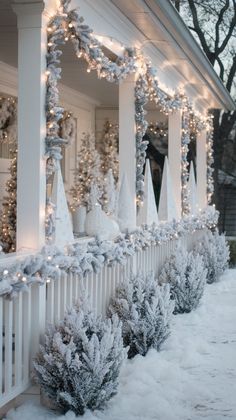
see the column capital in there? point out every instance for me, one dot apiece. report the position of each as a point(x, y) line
point(29, 13)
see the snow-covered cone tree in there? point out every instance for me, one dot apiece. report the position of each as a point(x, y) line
point(8, 223)
point(215, 253)
point(186, 274)
point(145, 310)
point(87, 172)
point(78, 366)
point(109, 150)
point(109, 198)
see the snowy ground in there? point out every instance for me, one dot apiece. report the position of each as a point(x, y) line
point(193, 377)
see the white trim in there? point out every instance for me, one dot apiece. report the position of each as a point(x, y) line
point(8, 79)
point(75, 98)
point(8, 85)
point(165, 12)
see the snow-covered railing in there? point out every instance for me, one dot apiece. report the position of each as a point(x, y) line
point(23, 319)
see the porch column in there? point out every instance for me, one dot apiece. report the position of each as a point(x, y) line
point(127, 140)
point(201, 170)
point(174, 156)
point(31, 180)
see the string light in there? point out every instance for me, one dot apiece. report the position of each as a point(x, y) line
point(76, 260)
point(87, 44)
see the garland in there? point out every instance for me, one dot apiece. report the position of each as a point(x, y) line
point(141, 99)
point(210, 160)
point(185, 140)
point(69, 25)
point(81, 260)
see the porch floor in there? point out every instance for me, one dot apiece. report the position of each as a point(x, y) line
point(193, 377)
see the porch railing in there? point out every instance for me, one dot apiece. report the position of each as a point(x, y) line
point(23, 319)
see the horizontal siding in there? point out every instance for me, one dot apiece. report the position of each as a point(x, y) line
point(227, 208)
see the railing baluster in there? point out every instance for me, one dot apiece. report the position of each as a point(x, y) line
point(26, 327)
point(8, 307)
point(57, 299)
point(1, 347)
point(18, 339)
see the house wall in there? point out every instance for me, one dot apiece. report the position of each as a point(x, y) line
point(81, 106)
point(227, 208)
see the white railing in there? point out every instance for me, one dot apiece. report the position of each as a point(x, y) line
point(23, 320)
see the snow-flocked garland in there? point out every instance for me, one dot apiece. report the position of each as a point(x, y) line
point(141, 98)
point(80, 259)
point(69, 25)
point(210, 160)
point(185, 140)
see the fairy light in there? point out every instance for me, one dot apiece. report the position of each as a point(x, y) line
point(131, 60)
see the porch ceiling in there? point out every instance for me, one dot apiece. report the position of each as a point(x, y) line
point(153, 25)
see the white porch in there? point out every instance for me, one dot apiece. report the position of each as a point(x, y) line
point(184, 85)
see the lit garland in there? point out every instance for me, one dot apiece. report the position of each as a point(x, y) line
point(80, 259)
point(141, 98)
point(185, 140)
point(68, 25)
point(210, 159)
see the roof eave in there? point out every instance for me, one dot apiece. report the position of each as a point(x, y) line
point(180, 33)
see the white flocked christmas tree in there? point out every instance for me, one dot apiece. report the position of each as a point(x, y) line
point(125, 208)
point(192, 190)
point(87, 171)
point(63, 234)
point(167, 208)
point(109, 150)
point(148, 211)
point(109, 198)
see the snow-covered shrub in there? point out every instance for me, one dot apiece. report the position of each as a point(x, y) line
point(185, 273)
point(78, 366)
point(215, 253)
point(145, 310)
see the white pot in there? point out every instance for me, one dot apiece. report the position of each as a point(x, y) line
point(79, 217)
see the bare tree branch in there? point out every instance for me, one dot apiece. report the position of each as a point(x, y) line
point(229, 34)
point(222, 69)
point(200, 32)
point(218, 23)
point(231, 76)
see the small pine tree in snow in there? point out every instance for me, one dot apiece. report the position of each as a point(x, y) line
point(109, 198)
point(145, 310)
point(78, 366)
point(87, 172)
point(185, 273)
point(215, 253)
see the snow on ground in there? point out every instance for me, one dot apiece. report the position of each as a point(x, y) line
point(193, 377)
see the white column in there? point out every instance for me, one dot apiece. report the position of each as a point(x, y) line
point(201, 170)
point(127, 141)
point(174, 156)
point(31, 181)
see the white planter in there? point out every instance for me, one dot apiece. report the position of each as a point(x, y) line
point(79, 217)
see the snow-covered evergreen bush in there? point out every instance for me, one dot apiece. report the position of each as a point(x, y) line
point(215, 253)
point(186, 274)
point(78, 366)
point(145, 310)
